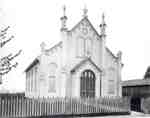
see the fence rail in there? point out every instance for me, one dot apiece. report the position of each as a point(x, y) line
point(19, 106)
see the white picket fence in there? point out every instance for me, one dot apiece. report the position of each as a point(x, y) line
point(19, 106)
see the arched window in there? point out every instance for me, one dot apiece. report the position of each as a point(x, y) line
point(52, 77)
point(27, 81)
point(88, 47)
point(52, 69)
point(87, 84)
point(84, 47)
point(111, 80)
point(31, 80)
point(80, 47)
point(29, 75)
point(35, 78)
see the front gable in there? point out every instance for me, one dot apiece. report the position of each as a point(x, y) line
point(86, 64)
point(85, 29)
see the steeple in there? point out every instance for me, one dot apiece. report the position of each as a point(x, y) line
point(103, 27)
point(85, 10)
point(63, 19)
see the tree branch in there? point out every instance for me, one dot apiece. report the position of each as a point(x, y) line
point(5, 70)
point(4, 42)
point(5, 62)
point(5, 30)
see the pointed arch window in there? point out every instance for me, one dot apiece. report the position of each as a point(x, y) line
point(52, 77)
point(80, 47)
point(29, 75)
point(87, 84)
point(27, 81)
point(111, 80)
point(35, 79)
point(88, 47)
point(84, 47)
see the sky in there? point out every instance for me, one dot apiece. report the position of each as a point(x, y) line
point(35, 21)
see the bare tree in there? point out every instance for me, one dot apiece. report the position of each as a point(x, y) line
point(6, 64)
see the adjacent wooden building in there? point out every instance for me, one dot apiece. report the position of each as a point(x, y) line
point(137, 90)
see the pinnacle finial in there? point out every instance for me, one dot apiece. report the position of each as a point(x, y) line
point(103, 18)
point(119, 55)
point(63, 19)
point(85, 10)
point(103, 25)
point(64, 10)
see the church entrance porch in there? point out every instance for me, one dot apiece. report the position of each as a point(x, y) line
point(86, 80)
point(87, 84)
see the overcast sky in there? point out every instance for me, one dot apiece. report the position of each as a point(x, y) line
point(34, 21)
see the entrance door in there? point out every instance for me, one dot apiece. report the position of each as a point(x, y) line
point(136, 104)
point(87, 84)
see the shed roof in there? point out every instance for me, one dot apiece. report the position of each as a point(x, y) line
point(136, 82)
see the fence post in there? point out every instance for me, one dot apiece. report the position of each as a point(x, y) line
point(6, 106)
point(11, 106)
point(0, 106)
point(8, 112)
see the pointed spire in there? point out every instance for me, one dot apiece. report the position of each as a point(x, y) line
point(63, 19)
point(103, 26)
point(85, 10)
point(64, 10)
point(103, 18)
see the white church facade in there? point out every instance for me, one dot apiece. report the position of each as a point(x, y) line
point(80, 65)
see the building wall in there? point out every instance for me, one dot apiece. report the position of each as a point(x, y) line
point(67, 55)
point(32, 81)
point(72, 41)
point(109, 64)
point(136, 91)
point(110, 76)
point(44, 68)
point(0, 79)
point(76, 80)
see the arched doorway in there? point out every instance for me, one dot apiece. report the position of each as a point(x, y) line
point(87, 84)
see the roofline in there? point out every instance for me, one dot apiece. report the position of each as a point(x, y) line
point(138, 82)
point(36, 61)
point(59, 43)
point(111, 52)
point(140, 85)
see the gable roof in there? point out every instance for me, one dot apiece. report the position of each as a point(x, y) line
point(85, 18)
point(35, 61)
point(83, 62)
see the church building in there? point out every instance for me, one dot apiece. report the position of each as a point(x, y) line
point(80, 65)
